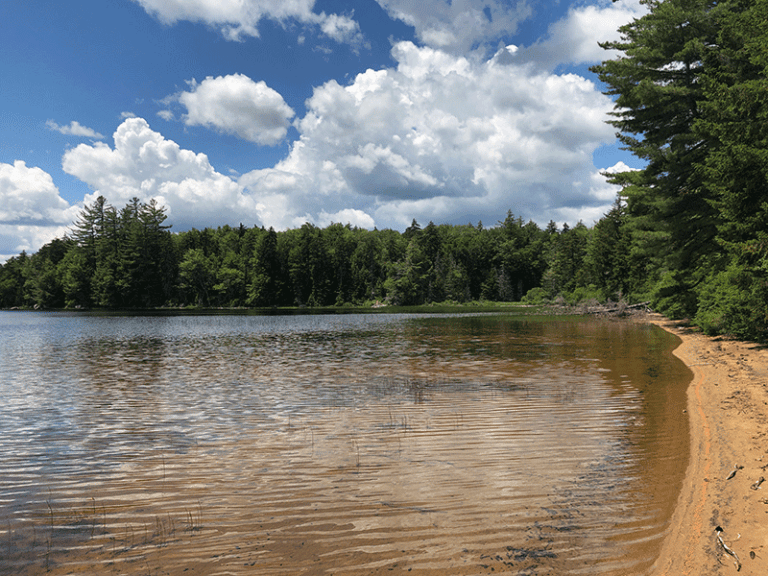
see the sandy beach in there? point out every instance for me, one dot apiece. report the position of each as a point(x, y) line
point(728, 410)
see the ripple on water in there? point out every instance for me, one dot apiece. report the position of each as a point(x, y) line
point(345, 445)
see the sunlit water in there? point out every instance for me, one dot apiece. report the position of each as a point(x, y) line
point(336, 444)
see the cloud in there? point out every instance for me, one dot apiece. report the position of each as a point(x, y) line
point(574, 39)
point(460, 25)
point(444, 138)
point(146, 165)
point(236, 105)
point(31, 210)
point(238, 18)
point(28, 196)
point(619, 167)
point(74, 129)
point(437, 137)
point(349, 216)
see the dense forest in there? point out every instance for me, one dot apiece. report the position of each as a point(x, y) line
point(129, 258)
point(689, 231)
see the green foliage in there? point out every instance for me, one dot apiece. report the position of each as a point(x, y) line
point(607, 258)
point(566, 254)
point(729, 303)
point(691, 102)
point(75, 279)
point(12, 281)
point(535, 296)
point(582, 294)
point(673, 296)
point(197, 274)
point(658, 89)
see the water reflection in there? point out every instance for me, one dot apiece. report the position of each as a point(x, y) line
point(344, 444)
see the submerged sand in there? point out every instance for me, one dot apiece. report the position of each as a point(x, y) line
point(728, 410)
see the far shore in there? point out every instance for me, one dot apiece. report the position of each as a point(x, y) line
point(723, 503)
point(541, 309)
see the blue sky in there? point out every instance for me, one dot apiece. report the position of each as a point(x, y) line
point(371, 112)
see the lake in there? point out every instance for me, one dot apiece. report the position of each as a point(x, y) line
point(336, 444)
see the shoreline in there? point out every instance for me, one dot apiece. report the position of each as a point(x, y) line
point(728, 410)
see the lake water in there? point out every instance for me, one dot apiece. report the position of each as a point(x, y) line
point(336, 444)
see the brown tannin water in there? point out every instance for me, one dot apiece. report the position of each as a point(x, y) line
point(336, 444)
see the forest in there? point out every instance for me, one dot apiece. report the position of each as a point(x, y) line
point(129, 258)
point(687, 232)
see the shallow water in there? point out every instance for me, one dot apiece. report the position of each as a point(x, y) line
point(336, 444)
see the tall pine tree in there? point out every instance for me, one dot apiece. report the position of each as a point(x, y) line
point(657, 82)
point(735, 115)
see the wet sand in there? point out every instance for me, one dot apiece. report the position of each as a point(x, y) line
point(728, 410)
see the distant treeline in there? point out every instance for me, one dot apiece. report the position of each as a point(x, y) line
point(129, 258)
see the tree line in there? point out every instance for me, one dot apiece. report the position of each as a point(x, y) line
point(688, 231)
point(129, 258)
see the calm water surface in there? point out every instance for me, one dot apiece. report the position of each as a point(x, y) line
point(336, 444)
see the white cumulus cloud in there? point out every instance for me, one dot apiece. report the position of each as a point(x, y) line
point(74, 128)
point(238, 18)
point(31, 210)
point(237, 105)
point(437, 137)
point(574, 39)
point(29, 196)
point(441, 136)
point(349, 216)
point(146, 165)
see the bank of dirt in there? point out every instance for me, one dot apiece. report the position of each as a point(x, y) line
point(728, 411)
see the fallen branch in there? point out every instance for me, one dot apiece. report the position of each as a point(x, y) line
point(620, 309)
point(727, 550)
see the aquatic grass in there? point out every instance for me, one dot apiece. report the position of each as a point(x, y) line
point(312, 440)
point(195, 522)
point(67, 525)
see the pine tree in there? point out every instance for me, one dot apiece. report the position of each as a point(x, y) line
point(734, 297)
point(658, 86)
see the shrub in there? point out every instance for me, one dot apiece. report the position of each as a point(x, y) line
point(535, 296)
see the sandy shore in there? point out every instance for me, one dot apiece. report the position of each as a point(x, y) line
point(728, 410)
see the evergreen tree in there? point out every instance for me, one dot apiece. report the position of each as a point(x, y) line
point(264, 288)
point(43, 286)
point(368, 266)
point(12, 279)
point(658, 86)
point(607, 257)
point(735, 115)
point(197, 274)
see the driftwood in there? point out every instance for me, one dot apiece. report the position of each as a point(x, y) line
point(620, 309)
point(726, 549)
